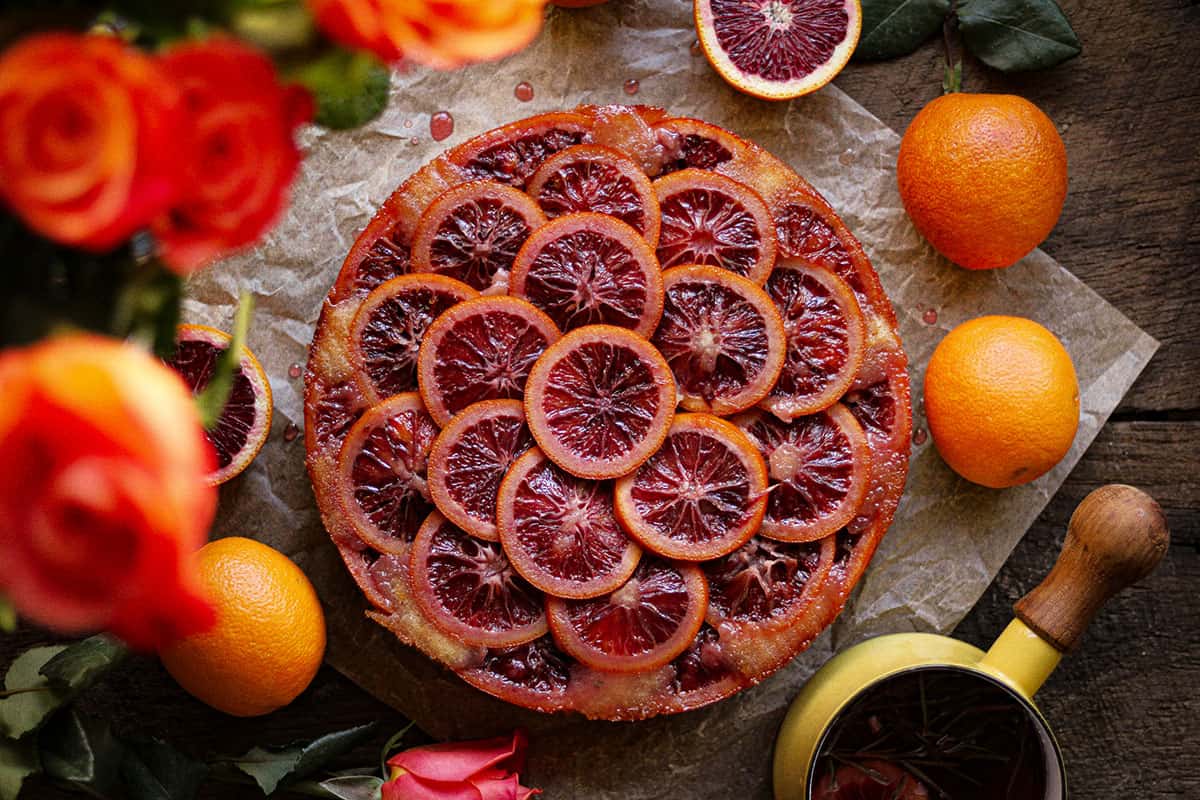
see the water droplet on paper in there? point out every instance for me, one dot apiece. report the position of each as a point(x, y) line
point(441, 125)
point(408, 123)
point(631, 86)
point(696, 48)
point(846, 158)
point(414, 141)
point(919, 436)
point(291, 432)
point(930, 317)
point(295, 371)
point(524, 91)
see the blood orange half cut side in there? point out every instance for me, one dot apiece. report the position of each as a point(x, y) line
point(591, 177)
point(766, 583)
point(700, 496)
point(512, 154)
point(245, 422)
point(386, 333)
point(778, 49)
point(481, 349)
point(820, 467)
point(600, 401)
point(711, 219)
point(469, 459)
point(722, 336)
point(639, 627)
point(381, 472)
point(560, 531)
point(473, 232)
point(826, 338)
point(589, 269)
point(468, 589)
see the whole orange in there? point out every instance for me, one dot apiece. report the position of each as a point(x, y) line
point(269, 638)
point(1002, 400)
point(983, 177)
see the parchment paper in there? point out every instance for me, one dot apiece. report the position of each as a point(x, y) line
point(949, 538)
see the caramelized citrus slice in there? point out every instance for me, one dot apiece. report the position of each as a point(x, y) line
point(695, 143)
point(722, 336)
point(711, 219)
point(469, 459)
point(560, 532)
point(820, 467)
point(641, 626)
point(468, 589)
point(807, 229)
point(600, 401)
point(700, 496)
point(386, 333)
point(381, 472)
point(588, 269)
point(472, 233)
point(825, 339)
point(591, 177)
point(514, 152)
point(765, 582)
point(481, 349)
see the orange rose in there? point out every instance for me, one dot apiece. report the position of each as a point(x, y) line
point(87, 137)
point(103, 499)
point(240, 157)
point(437, 33)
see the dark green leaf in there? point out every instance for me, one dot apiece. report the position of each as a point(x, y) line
point(344, 787)
point(81, 751)
point(274, 767)
point(892, 28)
point(82, 663)
point(1017, 35)
point(147, 308)
point(18, 760)
point(213, 397)
point(392, 744)
point(32, 698)
point(154, 770)
point(351, 89)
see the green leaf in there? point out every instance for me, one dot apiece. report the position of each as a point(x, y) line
point(147, 307)
point(81, 664)
point(392, 744)
point(343, 787)
point(275, 767)
point(892, 28)
point(351, 89)
point(213, 397)
point(81, 751)
point(1017, 35)
point(18, 760)
point(154, 770)
point(32, 698)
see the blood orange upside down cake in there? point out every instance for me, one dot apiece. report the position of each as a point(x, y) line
point(607, 412)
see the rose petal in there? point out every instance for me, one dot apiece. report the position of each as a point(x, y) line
point(407, 786)
point(458, 761)
point(498, 785)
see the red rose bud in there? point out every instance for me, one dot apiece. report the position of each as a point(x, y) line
point(483, 770)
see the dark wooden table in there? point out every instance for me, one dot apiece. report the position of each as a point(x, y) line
point(1125, 705)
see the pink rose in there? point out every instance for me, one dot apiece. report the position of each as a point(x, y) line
point(480, 770)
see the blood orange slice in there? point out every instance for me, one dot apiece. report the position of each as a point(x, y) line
point(472, 233)
point(639, 627)
point(870, 780)
point(807, 229)
point(711, 219)
point(386, 333)
point(702, 495)
point(825, 339)
point(560, 532)
point(694, 143)
point(512, 154)
point(481, 349)
point(722, 336)
point(381, 472)
point(245, 422)
point(600, 401)
point(469, 459)
point(591, 177)
point(765, 583)
point(588, 269)
point(470, 591)
point(820, 467)
point(778, 49)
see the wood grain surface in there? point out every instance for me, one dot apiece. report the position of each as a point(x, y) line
point(1124, 705)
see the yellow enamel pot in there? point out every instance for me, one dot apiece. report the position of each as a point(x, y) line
point(1116, 537)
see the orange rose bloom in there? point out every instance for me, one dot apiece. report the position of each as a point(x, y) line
point(88, 138)
point(103, 499)
point(240, 157)
point(437, 33)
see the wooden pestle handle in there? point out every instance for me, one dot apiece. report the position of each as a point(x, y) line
point(1116, 537)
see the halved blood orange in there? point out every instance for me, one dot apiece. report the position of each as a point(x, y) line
point(820, 467)
point(381, 472)
point(386, 333)
point(481, 349)
point(245, 422)
point(472, 233)
point(711, 219)
point(778, 49)
point(512, 153)
point(694, 143)
point(469, 459)
point(560, 532)
point(592, 177)
point(589, 269)
point(702, 495)
point(722, 336)
point(826, 338)
point(641, 626)
point(766, 583)
point(468, 589)
point(599, 401)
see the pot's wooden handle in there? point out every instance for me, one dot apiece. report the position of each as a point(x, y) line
point(1116, 537)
